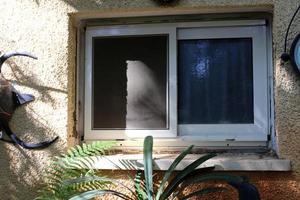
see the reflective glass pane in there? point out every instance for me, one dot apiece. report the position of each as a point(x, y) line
point(215, 80)
point(130, 82)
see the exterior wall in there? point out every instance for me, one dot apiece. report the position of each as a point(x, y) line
point(46, 28)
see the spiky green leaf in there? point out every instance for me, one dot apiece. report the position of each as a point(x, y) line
point(181, 175)
point(171, 169)
point(148, 166)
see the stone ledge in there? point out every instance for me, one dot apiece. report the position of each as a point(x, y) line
point(222, 162)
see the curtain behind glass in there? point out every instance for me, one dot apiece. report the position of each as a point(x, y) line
point(215, 81)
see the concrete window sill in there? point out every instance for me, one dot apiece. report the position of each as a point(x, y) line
point(222, 162)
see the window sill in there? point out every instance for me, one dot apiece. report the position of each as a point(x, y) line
point(222, 162)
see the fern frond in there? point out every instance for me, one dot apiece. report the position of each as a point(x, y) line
point(139, 186)
point(78, 162)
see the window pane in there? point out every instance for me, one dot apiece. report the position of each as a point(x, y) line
point(130, 82)
point(215, 81)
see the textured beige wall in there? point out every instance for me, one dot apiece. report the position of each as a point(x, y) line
point(45, 28)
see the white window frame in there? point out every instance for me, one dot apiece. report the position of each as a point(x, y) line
point(238, 132)
point(132, 30)
point(254, 134)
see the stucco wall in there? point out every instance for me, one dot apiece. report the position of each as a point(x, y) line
point(45, 28)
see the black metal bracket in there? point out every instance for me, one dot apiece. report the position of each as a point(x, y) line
point(10, 99)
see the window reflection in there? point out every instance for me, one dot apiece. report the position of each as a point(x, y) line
point(145, 97)
point(215, 81)
point(130, 82)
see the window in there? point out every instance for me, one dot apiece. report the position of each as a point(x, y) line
point(205, 81)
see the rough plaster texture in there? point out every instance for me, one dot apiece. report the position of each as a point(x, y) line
point(45, 28)
point(271, 186)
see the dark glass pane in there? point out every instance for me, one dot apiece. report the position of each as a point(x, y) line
point(129, 83)
point(215, 81)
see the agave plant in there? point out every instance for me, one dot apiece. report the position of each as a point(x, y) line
point(171, 187)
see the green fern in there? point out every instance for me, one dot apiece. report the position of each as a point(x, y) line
point(139, 186)
point(76, 163)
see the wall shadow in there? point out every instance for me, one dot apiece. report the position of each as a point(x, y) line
point(20, 78)
point(21, 173)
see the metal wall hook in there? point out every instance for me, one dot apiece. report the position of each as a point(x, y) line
point(10, 99)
